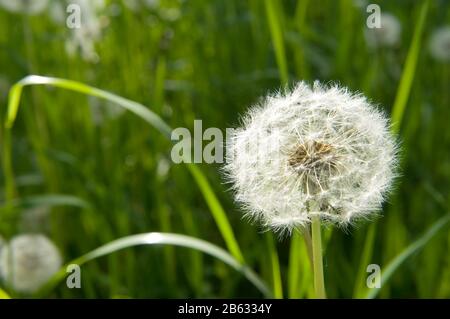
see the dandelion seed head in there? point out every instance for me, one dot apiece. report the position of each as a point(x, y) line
point(57, 12)
point(388, 35)
point(83, 39)
point(440, 44)
point(30, 7)
point(311, 151)
point(28, 261)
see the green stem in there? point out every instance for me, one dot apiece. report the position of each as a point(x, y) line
point(319, 284)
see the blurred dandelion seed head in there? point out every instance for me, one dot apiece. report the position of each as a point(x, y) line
point(388, 35)
point(84, 38)
point(28, 261)
point(312, 151)
point(30, 7)
point(57, 12)
point(440, 44)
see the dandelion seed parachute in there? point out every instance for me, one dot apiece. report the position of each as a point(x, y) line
point(312, 151)
point(440, 44)
point(388, 35)
point(28, 261)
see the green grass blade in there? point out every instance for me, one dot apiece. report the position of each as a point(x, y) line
point(300, 262)
point(156, 238)
point(46, 200)
point(367, 253)
point(409, 70)
point(134, 107)
point(274, 20)
point(217, 212)
point(3, 294)
point(301, 10)
point(150, 117)
point(275, 265)
point(294, 264)
point(403, 92)
point(406, 253)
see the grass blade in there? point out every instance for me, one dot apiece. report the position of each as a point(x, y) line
point(367, 253)
point(409, 70)
point(46, 200)
point(275, 266)
point(294, 264)
point(156, 238)
point(137, 108)
point(406, 253)
point(398, 110)
point(300, 262)
point(144, 113)
point(273, 17)
point(217, 211)
point(3, 294)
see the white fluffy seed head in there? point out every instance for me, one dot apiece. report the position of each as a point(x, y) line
point(28, 261)
point(388, 35)
point(24, 6)
point(82, 40)
point(312, 151)
point(440, 44)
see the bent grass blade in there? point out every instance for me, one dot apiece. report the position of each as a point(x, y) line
point(415, 247)
point(156, 238)
point(144, 113)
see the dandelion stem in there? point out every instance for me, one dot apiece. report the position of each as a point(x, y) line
point(319, 284)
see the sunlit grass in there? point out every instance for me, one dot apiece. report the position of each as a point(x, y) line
point(104, 182)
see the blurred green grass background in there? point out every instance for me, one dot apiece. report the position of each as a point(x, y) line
point(210, 60)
